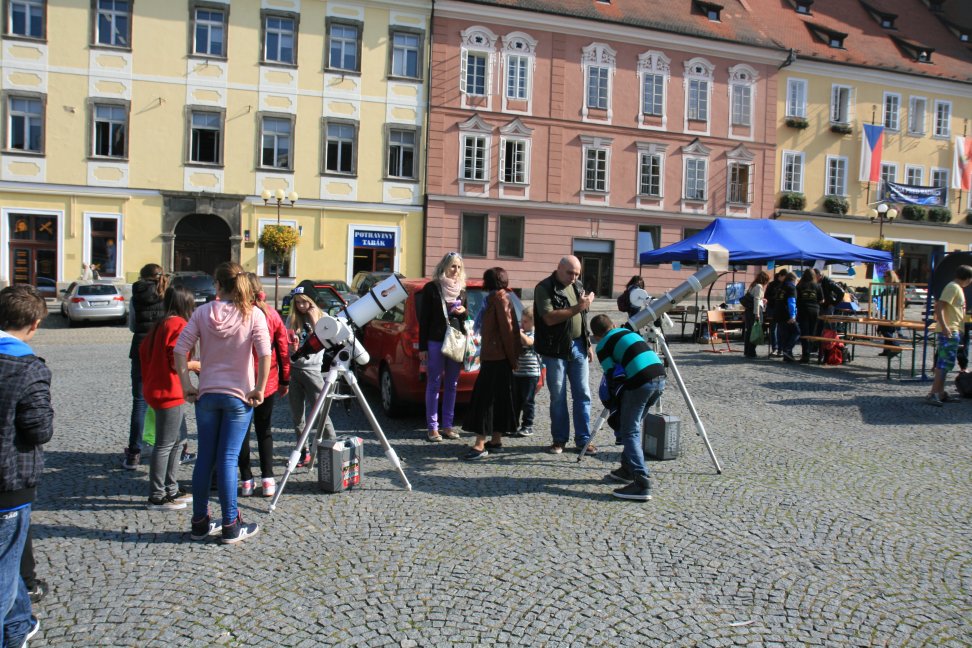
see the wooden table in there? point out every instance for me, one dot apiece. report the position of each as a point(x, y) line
point(865, 321)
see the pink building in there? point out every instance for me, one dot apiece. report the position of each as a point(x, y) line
point(572, 131)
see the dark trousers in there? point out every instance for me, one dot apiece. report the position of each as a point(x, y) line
point(789, 335)
point(808, 324)
point(261, 423)
point(749, 320)
point(137, 422)
point(524, 397)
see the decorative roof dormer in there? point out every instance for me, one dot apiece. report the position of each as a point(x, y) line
point(802, 6)
point(883, 18)
point(963, 33)
point(831, 37)
point(914, 50)
point(711, 10)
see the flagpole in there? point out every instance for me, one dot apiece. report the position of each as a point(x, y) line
point(867, 199)
point(965, 130)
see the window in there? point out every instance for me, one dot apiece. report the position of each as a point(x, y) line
point(916, 115)
point(514, 161)
point(102, 235)
point(740, 183)
point(406, 54)
point(26, 18)
point(803, 6)
point(343, 46)
point(401, 154)
point(276, 137)
point(473, 240)
point(474, 157)
point(25, 124)
point(698, 100)
point(517, 71)
point(272, 263)
point(653, 95)
point(209, 32)
point(889, 173)
point(509, 239)
point(796, 98)
point(649, 238)
point(597, 87)
point(595, 169)
point(205, 137)
point(914, 175)
point(742, 97)
point(840, 105)
point(943, 118)
point(939, 178)
point(279, 39)
point(792, 172)
point(689, 232)
point(113, 23)
point(836, 176)
point(654, 68)
point(340, 155)
point(892, 111)
point(475, 74)
point(650, 175)
point(110, 131)
point(695, 179)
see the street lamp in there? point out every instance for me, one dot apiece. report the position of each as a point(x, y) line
point(883, 213)
point(278, 196)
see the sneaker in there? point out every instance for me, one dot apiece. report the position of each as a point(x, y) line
point(933, 399)
point(202, 529)
point(474, 455)
point(621, 475)
point(639, 490)
point(132, 459)
point(33, 631)
point(38, 591)
point(187, 457)
point(526, 431)
point(949, 398)
point(433, 436)
point(239, 531)
point(182, 495)
point(269, 487)
point(449, 433)
point(246, 488)
point(556, 448)
point(165, 503)
point(305, 459)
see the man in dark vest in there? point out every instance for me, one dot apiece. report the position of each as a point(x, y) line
point(564, 345)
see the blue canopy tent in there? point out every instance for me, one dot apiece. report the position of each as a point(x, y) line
point(760, 241)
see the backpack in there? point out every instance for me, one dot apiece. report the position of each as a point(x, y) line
point(963, 383)
point(832, 352)
point(624, 301)
point(833, 292)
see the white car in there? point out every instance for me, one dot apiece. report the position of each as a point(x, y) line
point(89, 301)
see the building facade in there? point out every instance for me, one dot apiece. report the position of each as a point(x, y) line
point(553, 133)
point(140, 132)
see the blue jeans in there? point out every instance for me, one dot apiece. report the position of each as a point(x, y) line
point(221, 424)
point(139, 407)
point(789, 336)
point(576, 371)
point(17, 617)
point(635, 404)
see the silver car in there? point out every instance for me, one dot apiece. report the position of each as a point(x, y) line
point(88, 301)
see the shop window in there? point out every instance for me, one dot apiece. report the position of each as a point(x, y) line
point(103, 239)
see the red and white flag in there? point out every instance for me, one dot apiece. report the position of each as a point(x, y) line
point(872, 150)
point(962, 168)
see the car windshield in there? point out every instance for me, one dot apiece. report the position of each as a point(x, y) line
point(96, 290)
point(199, 283)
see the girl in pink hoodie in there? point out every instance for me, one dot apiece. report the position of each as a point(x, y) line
point(230, 332)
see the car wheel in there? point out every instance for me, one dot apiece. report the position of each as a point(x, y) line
point(390, 402)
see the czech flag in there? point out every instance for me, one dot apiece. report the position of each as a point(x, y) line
point(962, 168)
point(872, 149)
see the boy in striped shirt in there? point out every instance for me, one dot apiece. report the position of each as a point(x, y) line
point(644, 383)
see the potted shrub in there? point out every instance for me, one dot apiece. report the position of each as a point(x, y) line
point(836, 205)
point(793, 200)
point(881, 244)
point(913, 213)
point(841, 129)
point(940, 215)
point(797, 122)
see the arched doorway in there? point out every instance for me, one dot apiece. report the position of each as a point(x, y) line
point(202, 242)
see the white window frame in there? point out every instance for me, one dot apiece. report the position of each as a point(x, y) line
point(947, 131)
point(478, 144)
point(27, 6)
point(841, 102)
point(598, 55)
point(521, 177)
point(892, 111)
point(595, 145)
point(27, 118)
point(112, 15)
point(947, 173)
point(742, 79)
point(749, 190)
point(211, 26)
point(796, 106)
point(694, 160)
point(522, 48)
point(913, 112)
point(474, 127)
point(261, 257)
point(698, 70)
point(910, 170)
point(836, 184)
point(881, 192)
point(799, 158)
point(653, 64)
point(841, 269)
point(476, 41)
point(659, 158)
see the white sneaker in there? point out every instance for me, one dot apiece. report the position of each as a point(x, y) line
point(269, 487)
point(246, 488)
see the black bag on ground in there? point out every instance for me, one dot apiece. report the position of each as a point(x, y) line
point(963, 383)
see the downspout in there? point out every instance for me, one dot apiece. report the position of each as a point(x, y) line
point(428, 110)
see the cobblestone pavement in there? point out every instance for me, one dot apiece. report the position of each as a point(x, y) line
point(842, 517)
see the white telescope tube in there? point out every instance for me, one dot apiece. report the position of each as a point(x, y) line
point(667, 302)
point(335, 332)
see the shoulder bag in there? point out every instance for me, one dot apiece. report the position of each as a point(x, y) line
point(454, 342)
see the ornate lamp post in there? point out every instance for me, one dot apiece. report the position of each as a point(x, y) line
point(883, 213)
point(278, 197)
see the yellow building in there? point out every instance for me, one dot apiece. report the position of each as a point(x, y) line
point(147, 132)
point(852, 65)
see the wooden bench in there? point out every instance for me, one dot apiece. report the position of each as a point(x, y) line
point(864, 343)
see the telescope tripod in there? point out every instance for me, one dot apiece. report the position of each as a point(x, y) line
point(700, 428)
point(340, 369)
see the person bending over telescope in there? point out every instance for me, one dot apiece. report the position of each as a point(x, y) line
point(644, 382)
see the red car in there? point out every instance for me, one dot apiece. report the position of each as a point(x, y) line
point(392, 342)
